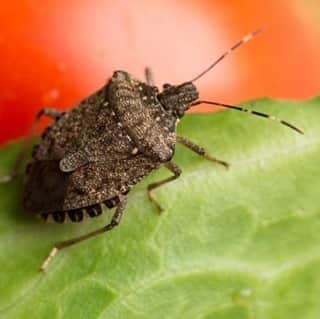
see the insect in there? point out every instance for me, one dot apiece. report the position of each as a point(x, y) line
point(92, 155)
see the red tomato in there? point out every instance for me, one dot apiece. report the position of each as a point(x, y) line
point(53, 53)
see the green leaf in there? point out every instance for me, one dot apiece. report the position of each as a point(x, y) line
point(237, 243)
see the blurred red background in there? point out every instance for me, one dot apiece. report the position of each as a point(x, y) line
point(55, 52)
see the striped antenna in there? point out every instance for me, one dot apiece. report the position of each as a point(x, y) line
point(235, 46)
point(242, 109)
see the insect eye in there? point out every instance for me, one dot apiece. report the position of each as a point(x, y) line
point(180, 112)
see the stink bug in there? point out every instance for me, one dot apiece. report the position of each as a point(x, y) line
point(94, 153)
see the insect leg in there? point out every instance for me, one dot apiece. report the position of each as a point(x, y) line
point(176, 171)
point(66, 243)
point(149, 76)
point(54, 114)
point(200, 151)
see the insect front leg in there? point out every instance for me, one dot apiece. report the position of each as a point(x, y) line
point(66, 243)
point(54, 114)
point(149, 76)
point(200, 151)
point(176, 171)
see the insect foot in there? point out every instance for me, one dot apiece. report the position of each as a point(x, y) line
point(5, 179)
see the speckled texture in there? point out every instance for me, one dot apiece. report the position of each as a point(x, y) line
point(102, 147)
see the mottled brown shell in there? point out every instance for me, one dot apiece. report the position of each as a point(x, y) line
point(119, 149)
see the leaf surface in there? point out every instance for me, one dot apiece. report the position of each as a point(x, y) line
point(237, 243)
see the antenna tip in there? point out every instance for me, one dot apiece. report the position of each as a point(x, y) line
point(259, 30)
point(292, 127)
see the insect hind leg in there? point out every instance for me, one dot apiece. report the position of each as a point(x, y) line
point(66, 243)
point(54, 114)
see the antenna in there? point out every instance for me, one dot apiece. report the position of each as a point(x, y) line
point(235, 46)
point(253, 112)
